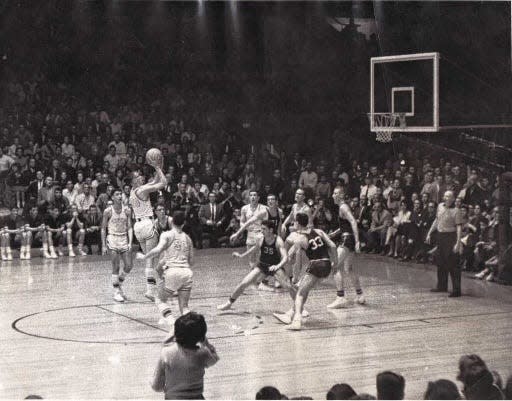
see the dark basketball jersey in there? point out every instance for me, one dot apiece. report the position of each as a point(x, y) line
point(317, 248)
point(276, 220)
point(269, 254)
point(166, 227)
point(344, 224)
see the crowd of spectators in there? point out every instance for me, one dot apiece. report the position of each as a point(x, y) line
point(479, 383)
point(60, 161)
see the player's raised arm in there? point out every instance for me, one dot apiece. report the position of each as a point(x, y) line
point(156, 185)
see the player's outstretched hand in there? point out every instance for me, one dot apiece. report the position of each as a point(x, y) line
point(232, 238)
point(273, 268)
point(236, 255)
point(139, 256)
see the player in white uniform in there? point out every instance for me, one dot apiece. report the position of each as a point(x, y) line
point(296, 254)
point(251, 217)
point(348, 245)
point(144, 227)
point(117, 236)
point(176, 262)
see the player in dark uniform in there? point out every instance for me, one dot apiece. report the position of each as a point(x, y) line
point(272, 258)
point(321, 252)
point(275, 216)
point(348, 245)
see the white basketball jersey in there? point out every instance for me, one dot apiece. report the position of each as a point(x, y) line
point(249, 213)
point(303, 209)
point(177, 254)
point(141, 208)
point(117, 224)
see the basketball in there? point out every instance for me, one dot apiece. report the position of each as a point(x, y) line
point(154, 157)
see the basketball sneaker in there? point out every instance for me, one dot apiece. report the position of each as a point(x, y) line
point(118, 297)
point(225, 306)
point(265, 287)
point(339, 303)
point(81, 252)
point(295, 325)
point(285, 318)
point(122, 293)
point(360, 299)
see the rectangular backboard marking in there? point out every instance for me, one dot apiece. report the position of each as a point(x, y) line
point(409, 89)
point(434, 56)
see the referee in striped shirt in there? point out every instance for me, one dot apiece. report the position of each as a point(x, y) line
point(448, 224)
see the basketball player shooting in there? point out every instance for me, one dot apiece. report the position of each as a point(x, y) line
point(144, 227)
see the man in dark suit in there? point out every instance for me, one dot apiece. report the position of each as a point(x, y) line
point(35, 186)
point(212, 217)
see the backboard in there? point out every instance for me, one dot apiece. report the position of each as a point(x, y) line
point(405, 85)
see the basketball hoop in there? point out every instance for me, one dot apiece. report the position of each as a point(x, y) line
point(383, 124)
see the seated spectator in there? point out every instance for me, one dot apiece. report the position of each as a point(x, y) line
point(35, 233)
point(181, 367)
point(340, 391)
point(381, 221)
point(395, 238)
point(486, 250)
point(269, 393)
point(322, 216)
point(442, 390)
point(12, 234)
point(390, 386)
point(75, 231)
point(55, 226)
point(85, 199)
point(92, 226)
point(211, 216)
point(477, 379)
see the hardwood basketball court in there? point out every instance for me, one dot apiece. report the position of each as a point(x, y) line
point(62, 335)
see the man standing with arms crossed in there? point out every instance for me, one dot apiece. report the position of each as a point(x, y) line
point(448, 224)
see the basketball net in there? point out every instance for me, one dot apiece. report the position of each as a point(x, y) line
point(383, 124)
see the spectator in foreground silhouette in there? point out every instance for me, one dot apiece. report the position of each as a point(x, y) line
point(390, 386)
point(442, 390)
point(269, 393)
point(180, 370)
point(340, 391)
point(477, 379)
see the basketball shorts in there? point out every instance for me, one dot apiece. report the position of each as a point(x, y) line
point(348, 241)
point(264, 269)
point(178, 278)
point(144, 229)
point(319, 268)
point(253, 238)
point(117, 243)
